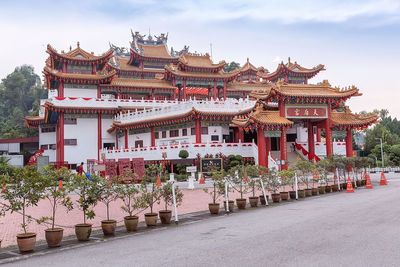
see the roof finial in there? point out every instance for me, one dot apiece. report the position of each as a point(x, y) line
point(70, 48)
point(289, 59)
point(247, 60)
point(77, 44)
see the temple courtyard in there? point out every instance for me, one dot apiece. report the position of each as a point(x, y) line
point(336, 229)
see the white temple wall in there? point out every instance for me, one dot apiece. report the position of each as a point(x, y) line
point(79, 92)
point(106, 123)
point(302, 134)
point(85, 132)
point(48, 139)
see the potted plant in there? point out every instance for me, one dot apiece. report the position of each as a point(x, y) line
point(253, 171)
point(216, 191)
point(273, 184)
point(25, 188)
point(108, 194)
point(289, 180)
point(89, 194)
point(166, 195)
point(57, 183)
point(304, 169)
point(236, 175)
point(150, 193)
point(131, 202)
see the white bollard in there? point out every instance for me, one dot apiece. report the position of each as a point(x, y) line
point(226, 197)
point(338, 180)
point(191, 181)
point(295, 181)
point(172, 179)
point(263, 189)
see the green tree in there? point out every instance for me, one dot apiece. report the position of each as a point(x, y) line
point(231, 66)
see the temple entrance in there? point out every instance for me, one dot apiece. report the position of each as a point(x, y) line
point(250, 136)
point(139, 143)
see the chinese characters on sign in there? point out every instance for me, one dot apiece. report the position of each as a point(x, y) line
point(306, 111)
point(209, 165)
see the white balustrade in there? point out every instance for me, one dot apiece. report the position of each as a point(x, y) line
point(339, 148)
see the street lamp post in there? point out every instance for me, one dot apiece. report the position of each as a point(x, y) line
point(383, 163)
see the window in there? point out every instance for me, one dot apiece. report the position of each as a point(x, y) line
point(214, 138)
point(204, 130)
point(164, 134)
point(193, 131)
point(109, 145)
point(48, 129)
point(44, 147)
point(173, 133)
point(69, 120)
point(52, 146)
point(184, 132)
point(156, 135)
point(70, 142)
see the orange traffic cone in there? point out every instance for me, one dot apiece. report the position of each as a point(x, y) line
point(246, 177)
point(60, 185)
point(368, 184)
point(4, 188)
point(349, 188)
point(158, 181)
point(365, 176)
point(383, 179)
point(202, 181)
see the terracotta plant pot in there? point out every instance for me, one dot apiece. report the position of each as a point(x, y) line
point(321, 190)
point(231, 205)
point(314, 191)
point(241, 203)
point(284, 195)
point(165, 216)
point(292, 194)
point(151, 219)
point(335, 188)
point(308, 192)
point(131, 223)
point(253, 201)
point(328, 188)
point(26, 242)
point(214, 208)
point(262, 199)
point(108, 227)
point(276, 198)
point(301, 193)
point(54, 237)
point(83, 231)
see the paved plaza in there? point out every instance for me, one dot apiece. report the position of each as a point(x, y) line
point(337, 229)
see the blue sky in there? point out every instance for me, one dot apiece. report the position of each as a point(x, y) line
point(358, 41)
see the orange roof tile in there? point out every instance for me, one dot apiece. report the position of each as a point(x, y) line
point(205, 61)
point(125, 66)
point(248, 66)
point(69, 76)
point(217, 75)
point(246, 86)
point(261, 116)
point(346, 118)
point(78, 54)
point(292, 68)
point(142, 83)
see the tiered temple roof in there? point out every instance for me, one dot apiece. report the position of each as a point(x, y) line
point(52, 74)
point(198, 62)
point(343, 120)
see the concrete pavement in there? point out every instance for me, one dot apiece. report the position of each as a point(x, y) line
point(338, 229)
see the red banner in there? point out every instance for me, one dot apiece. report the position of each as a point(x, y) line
point(306, 112)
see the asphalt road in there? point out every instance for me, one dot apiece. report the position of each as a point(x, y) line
point(359, 229)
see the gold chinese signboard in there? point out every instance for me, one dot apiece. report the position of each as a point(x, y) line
point(306, 111)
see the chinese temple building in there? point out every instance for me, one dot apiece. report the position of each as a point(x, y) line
point(151, 102)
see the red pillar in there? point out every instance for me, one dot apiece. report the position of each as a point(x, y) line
point(311, 143)
point(241, 134)
point(126, 138)
point(318, 134)
point(152, 94)
point(98, 92)
point(328, 133)
point(283, 148)
point(99, 137)
point(281, 107)
point(153, 137)
point(116, 140)
point(198, 130)
point(236, 135)
point(60, 143)
point(215, 90)
point(224, 92)
point(60, 89)
point(286, 78)
point(268, 147)
point(262, 153)
point(184, 90)
point(64, 67)
point(94, 70)
point(349, 143)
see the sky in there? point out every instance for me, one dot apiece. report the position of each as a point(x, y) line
point(358, 41)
